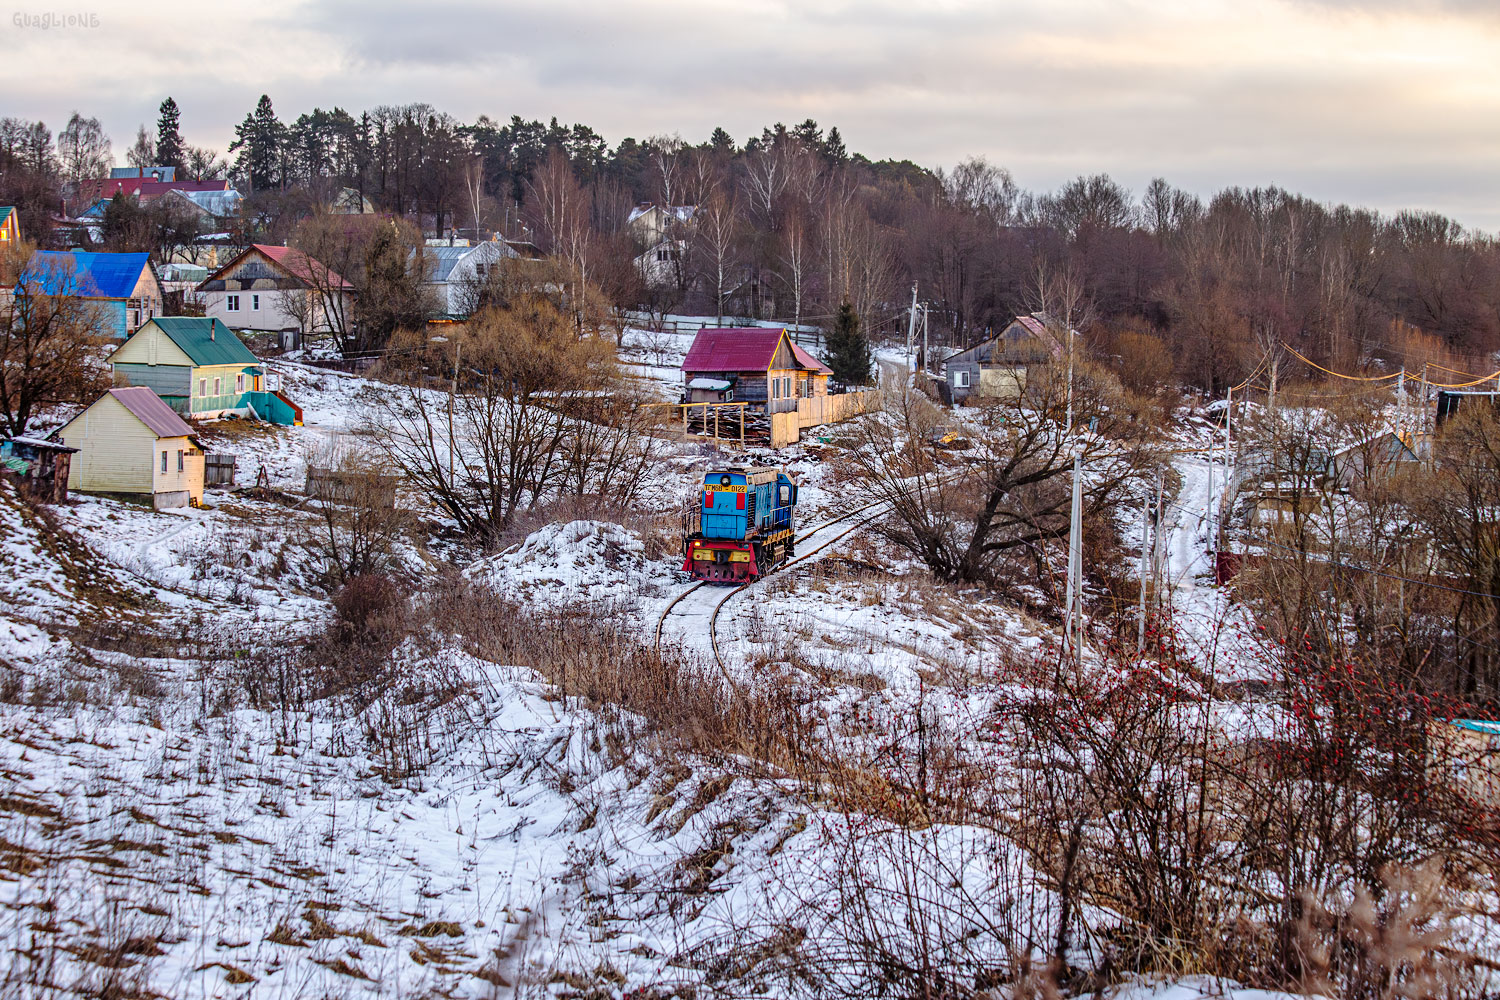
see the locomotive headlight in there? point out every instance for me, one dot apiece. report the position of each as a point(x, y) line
point(724, 480)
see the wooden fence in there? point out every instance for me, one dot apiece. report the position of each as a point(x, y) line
point(218, 470)
point(786, 428)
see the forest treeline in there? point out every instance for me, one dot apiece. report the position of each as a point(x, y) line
point(790, 224)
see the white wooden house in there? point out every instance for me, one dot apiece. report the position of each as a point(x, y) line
point(130, 441)
point(455, 274)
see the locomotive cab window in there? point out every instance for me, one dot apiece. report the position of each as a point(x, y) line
point(786, 496)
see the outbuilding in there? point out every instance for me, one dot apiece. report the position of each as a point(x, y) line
point(130, 441)
point(761, 366)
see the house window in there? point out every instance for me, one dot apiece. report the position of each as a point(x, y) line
point(239, 383)
point(255, 302)
point(232, 303)
point(179, 460)
point(164, 461)
point(960, 380)
point(776, 388)
point(203, 387)
point(216, 387)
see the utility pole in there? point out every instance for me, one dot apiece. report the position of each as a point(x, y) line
point(458, 352)
point(926, 359)
point(1070, 379)
point(911, 333)
point(1140, 633)
point(1158, 550)
point(1275, 365)
point(1073, 617)
point(1401, 405)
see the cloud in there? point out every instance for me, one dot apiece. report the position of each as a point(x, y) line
point(1377, 102)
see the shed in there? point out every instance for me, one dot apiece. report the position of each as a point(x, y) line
point(766, 368)
point(42, 465)
point(1469, 751)
point(130, 441)
point(199, 366)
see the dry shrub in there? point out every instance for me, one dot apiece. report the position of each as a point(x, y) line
point(1389, 942)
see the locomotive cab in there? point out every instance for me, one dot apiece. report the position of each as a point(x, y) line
point(739, 525)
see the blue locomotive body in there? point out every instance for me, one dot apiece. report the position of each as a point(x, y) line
point(739, 526)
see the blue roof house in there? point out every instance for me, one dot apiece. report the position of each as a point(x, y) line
point(123, 286)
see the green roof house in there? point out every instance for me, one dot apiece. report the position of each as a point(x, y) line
point(200, 368)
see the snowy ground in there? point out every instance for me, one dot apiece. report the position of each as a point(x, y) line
point(158, 831)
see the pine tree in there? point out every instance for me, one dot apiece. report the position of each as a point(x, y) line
point(847, 351)
point(833, 146)
point(721, 141)
point(170, 151)
point(259, 140)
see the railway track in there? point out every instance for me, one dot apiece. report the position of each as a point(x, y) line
point(713, 620)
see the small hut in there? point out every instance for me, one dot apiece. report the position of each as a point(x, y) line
point(42, 466)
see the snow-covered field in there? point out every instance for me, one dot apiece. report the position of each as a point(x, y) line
point(178, 816)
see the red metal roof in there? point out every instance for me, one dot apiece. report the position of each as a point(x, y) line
point(145, 189)
point(740, 349)
point(303, 266)
point(293, 262)
point(151, 410)
point(809, 361)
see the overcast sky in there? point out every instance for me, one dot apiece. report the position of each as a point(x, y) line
point(1373, 102)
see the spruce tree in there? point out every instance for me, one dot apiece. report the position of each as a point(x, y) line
point(847, 351)
point(170, 151)
point(259, 140)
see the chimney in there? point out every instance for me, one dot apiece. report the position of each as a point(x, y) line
point(210, 331)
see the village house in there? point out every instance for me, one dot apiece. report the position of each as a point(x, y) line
point(123, 286)
point(663, 265)
point(651, 224)
point(129, 441)
point(142, 190)
point(198, 366)
point(10, 226)
point(156, 173)
point(997, 368)
point(455, 273)
point(212, 210)
point(760, 366)
point(274, 288)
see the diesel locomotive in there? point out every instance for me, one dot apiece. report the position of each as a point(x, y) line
point(739, 526)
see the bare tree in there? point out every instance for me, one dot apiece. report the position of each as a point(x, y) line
point(1011, 494)
point(50, 337)
point(501, 441)
point(83, 149)
point(717, 246)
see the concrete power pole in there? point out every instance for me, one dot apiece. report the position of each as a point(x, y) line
point(911, 333)
point(1073, 618)
point(1140, 632)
